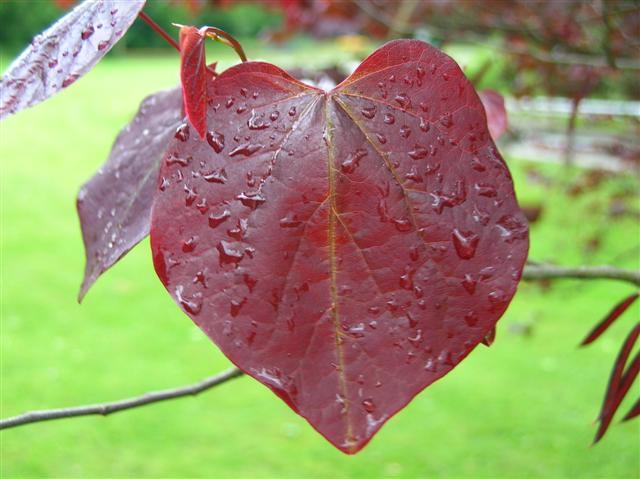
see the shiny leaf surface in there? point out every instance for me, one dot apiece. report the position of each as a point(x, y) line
point(114, 206)
point(64, 52)
point(348, 248)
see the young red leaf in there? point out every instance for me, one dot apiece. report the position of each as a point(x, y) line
point(344, 248)
point(64, 52)
point(614, 314)
point(493, 103)
point(115, 205)
point(193, 76)
point(618, 383)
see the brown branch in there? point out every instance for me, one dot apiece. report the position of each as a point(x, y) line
point(532, 271)
point(105, 409)
point(540, 271)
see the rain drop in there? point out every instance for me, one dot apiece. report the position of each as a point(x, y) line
point(418, 153)
point(216, 220)
point(465, 243)
point(215, 140)
point(251, 200)
point(229, 253)
point(246, 149)
point(182, 133)
point(369, 112)
point(87, 32)
point(368, 405)
point(216, 176)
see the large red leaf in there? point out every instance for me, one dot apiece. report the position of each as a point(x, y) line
point(348, 248)
point(114, 206)
point(65, 51)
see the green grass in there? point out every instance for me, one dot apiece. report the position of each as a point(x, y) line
point(522, 408)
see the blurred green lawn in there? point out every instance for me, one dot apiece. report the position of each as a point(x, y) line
point(522, 408)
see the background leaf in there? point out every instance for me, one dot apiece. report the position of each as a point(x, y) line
point(115, 205)
point(64, 52)
point(493, 103)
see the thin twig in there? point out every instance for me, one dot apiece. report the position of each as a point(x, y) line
point(532, 271)
point(105, 409)
point(538, 271)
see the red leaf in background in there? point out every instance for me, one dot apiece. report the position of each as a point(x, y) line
point(64, 52)
point(115, 205)
point(614, 314)
point(348, 248)
point(493, 103)
point(619, 383)
point(193, 76)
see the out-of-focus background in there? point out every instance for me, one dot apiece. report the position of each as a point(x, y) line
point(523, 408)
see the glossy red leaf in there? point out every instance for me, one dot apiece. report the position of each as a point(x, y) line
point(193, 76)
point(614, 314)
point(493, 103)
point(64, 52)
point(114, 206)
point(348, 248)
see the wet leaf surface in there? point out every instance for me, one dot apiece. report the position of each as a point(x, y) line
point(114, 206)
point(64, 52)
point(348, 248)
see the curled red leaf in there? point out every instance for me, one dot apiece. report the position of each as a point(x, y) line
point(193, 76)
point(64, 52)
point(614, 314)
point(114, 206)
point(344, 248)
point(493, 103)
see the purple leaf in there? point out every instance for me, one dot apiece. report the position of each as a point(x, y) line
point(115, 205)
point(64, 52)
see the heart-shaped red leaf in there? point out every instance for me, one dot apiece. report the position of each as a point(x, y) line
point(65, 51)
point(348, 248)
point(193, 76)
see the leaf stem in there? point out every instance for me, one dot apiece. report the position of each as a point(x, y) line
point(158, 29)
point(224, 37)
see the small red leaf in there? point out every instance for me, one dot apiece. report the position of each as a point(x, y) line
point(114, 206)
point(344, 248)
point(493, 103)
point(614, 314)
point(193, 76)
point(64, 52)
point(619, 382)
